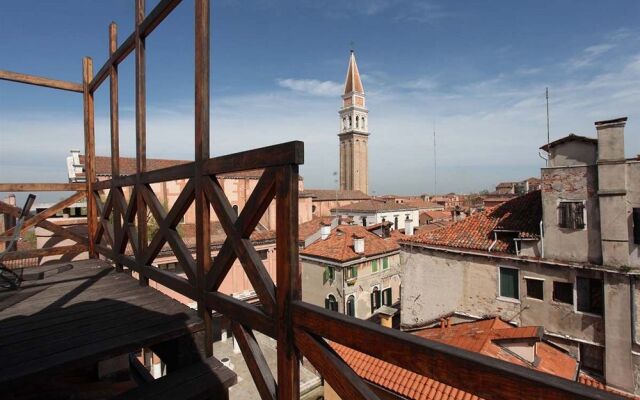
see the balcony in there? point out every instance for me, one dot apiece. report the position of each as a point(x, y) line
point(117, 222)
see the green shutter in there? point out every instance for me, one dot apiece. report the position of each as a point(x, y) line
point(325, 275)
point(354, 271)
point(385, 263)
point(509, 283)
point(374, 266)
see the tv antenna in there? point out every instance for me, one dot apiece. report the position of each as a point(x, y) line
point(546, 159)
point(435, 165)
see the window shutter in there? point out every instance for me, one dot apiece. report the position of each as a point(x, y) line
point(578, 216)
point(325, 275)
point(562, 215)
point(373, 305)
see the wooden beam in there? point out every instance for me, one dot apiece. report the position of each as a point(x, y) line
point(202, 153)
point(49, 212)
point(475, 373)
point(288, 278)
point(241, 312)
point(40, 81)
point(173, 173)
point(270, 156)
point(49, 251)
point(89, 150)
point(115, 133)
point(141, 132)
point(333, 369)
point(42, 187)
point(256, 363)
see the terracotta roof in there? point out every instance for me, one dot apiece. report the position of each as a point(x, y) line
point(506, 184)
point(593, 382)
point(479, 336)
point(374, 206)
point(437, 214)
point(308, 228)
point(352, 82)
point(421, 204)
point(328, 194)
point(339, 245)
point(431, 226)
point(521, 215)
point(569, 138)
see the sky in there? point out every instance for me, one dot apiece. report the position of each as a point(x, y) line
point(476, 72)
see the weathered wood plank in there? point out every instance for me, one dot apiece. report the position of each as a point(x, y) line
point(256, 363)
point(42, 187)
point(50, 251)
point(265, 157)
point(141, 132)
point(89, 150)
point(241, 312)
point(114, 132)
point(40, 81)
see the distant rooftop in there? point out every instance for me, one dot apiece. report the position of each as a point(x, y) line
point(374, 206)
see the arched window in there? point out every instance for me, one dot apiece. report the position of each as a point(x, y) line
point(313, 209)
point(364, 126)
point(330, 303)
point(395, 223)
point(350, 122)
point(375, 299)
point(351, 306)
point(357, 121)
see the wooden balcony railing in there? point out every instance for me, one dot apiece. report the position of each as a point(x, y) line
point(117, 222)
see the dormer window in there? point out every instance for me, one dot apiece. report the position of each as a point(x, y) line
point(571, 215)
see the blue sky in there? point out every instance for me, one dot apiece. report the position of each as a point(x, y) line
point(476, 69)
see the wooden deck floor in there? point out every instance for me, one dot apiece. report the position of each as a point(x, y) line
point(81, 316)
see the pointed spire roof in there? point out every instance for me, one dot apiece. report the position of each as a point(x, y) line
point(352, 82)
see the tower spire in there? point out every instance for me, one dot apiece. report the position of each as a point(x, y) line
point(353, 83)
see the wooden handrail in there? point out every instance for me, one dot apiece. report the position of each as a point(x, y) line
point(42, 187)
point(40, 81)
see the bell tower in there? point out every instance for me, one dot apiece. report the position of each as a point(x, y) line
point(354, 132)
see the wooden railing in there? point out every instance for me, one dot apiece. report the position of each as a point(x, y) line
point(118, 223)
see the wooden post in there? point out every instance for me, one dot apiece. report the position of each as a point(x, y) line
point(141, 137)
point(89, 152)
point(203, 236)
point(115, 135)
point(288, 280)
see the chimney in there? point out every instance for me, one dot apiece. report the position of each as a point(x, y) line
point(612, 187)
point(325, 230)
point(408, 227)
point(358, 244)
point(386, 314)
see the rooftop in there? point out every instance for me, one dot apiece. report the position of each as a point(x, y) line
point(374, 206)
point(329, 194)
point(572, 137)
point(521, 215)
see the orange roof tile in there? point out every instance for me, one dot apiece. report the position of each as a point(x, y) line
point(520, 215)
point(339, 245)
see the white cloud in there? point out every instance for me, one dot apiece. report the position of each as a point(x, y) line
point(312, 87)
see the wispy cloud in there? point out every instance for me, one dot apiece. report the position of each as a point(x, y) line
point(589, 55)
point(418, 11)
point(312, 87)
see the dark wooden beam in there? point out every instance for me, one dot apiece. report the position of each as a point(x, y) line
point(89, 150)
point(42, 187)
point(478, 374)
point(270, 156)
point(49, 251)
point(202, 153)
point(141, 132)
point(241, 312)
point(115, 133)
point(256, 363)
point(288, 279)
point(40, 81)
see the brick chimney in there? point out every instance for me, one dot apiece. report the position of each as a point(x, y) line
point(612, 187)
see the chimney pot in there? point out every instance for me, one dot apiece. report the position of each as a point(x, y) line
point(325, 230)
point(408, 227)
point(358, 244)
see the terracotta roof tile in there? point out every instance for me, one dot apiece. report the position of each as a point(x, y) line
point(328, 194)
point(521, 215)
point(339, 245)
point(374, 205)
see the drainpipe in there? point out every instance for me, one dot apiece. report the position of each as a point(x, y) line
point(633, 310)
point(541, 240)
point(495, 235)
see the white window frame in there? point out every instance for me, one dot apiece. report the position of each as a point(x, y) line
point(508, 299)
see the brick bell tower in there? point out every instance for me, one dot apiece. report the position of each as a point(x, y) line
point(354, 133)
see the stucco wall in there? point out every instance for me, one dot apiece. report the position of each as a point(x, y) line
point(573, 153)
point(571, 184)
point(437, 283)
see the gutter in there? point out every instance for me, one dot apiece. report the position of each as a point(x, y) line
point(541, 239)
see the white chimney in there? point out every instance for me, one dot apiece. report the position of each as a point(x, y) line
point(358, 244)
point(325, 230)
point(408, 227)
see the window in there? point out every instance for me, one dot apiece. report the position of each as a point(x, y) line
point(375, 299)
point(351, 306)
point(352, 272)
point(571, 215)
point(374, 265)
point(386, 297)
point(535, 288)
point(364, 221)
point(563, 292)
point(330, 303)
point(636, 225)
point(589, 295)
point(385, 263)
point(509, 283)
point(329, 274)
point(592, 358)
point(395, 223)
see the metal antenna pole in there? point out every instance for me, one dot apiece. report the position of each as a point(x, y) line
point(548, 140)
point(435, 165)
